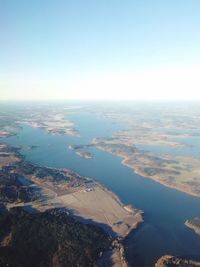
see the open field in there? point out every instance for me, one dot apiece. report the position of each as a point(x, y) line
point(100, 205)
point(97, 205)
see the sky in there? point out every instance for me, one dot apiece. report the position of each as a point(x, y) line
point(99, 49)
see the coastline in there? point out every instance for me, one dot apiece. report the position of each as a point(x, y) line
point(82, 197)
point(169, 260)
point(128, 208)
point(157, 179)
point(192, 226)
point(85, 155)
point(160, 181)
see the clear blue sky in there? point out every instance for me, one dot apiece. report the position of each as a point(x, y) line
point(45, 40)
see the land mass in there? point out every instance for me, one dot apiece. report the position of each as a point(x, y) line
point(51, 238)
point(157, 142)
point(52, 188)
point(170, 261)
point(31, 187)
point(194, 224)
point(53, 120)
point(181, 173)
point(64, 188)
point(85, 155)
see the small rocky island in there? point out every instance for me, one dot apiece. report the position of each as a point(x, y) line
point(82, 154)
point(85, 155)
point(194, 224)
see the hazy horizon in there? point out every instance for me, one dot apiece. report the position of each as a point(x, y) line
point(106, 51)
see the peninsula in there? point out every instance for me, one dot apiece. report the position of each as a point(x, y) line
point(194, 224)
point(157, 142)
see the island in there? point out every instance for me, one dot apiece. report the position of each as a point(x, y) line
point(85, 155)
point(194, 224)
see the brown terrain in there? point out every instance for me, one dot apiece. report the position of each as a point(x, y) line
point(81, 196)
point(179, 172)
point(170, 261)
point(194, 224)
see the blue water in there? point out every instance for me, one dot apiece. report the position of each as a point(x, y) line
point(165, 210)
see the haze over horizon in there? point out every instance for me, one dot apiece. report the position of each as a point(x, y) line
point(100, 50)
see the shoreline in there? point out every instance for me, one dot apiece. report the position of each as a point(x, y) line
point(89, 200)
point(83, 154)
point(192, 226)
point(155, 179)
point(82, 194)
point(117, 252)
point(169, 260)
point(128, 208)
point(158, 180)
